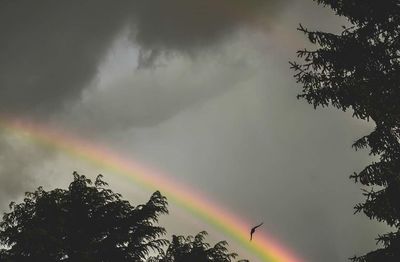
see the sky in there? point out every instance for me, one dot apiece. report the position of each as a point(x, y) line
point(200, 90)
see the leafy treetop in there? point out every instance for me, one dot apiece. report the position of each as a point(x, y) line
point(194, 249)
point(87, 222)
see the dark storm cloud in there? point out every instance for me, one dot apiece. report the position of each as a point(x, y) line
point(228, 124)
point(50, 50)
point(190, 24)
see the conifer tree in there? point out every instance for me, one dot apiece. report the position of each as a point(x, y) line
point(359, 70)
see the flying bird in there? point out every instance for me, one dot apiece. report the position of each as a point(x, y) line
point(254, 230)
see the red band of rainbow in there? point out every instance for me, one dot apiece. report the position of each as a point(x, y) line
point(230, 225)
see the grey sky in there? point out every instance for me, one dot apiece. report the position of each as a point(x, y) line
point(51, 50)
point(198, 89)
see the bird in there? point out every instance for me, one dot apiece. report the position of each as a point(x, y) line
point(254, 230)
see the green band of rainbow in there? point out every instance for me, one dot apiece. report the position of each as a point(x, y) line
point(232, 226)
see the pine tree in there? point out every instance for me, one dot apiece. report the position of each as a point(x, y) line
point(359, 70)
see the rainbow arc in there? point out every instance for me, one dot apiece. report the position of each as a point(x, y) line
point(232, 226)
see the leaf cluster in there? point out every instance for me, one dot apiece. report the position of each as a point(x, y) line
point(194, 249)
point(359, 70)
point(89, 222)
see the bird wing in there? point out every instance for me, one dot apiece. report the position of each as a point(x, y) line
point(254, 230)
point(258, 226)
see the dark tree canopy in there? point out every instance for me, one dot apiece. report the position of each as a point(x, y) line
point(359, 70)
point(87, 222)
point(194, 249)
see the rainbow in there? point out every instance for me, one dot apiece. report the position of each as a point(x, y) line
point(264, 248)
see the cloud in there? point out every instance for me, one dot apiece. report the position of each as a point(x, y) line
point(17, 161)
point(186, 25)
point(251, 146)
point(122, 96)
point(51, 53)
point(214, 110)
point(50, 50)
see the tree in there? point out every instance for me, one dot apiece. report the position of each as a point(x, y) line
point(87, 222)
point(359, 70)
point(194, 249)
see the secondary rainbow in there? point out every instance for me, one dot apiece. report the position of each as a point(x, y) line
point(187, 198)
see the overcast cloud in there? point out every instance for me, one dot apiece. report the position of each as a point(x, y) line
point(198, 89)
point(50, 50)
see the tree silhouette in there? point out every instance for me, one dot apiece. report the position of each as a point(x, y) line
point(359, 70)
point(87, 222)
point(194, 249)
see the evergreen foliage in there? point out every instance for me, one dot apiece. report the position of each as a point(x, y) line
point(359, 69)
